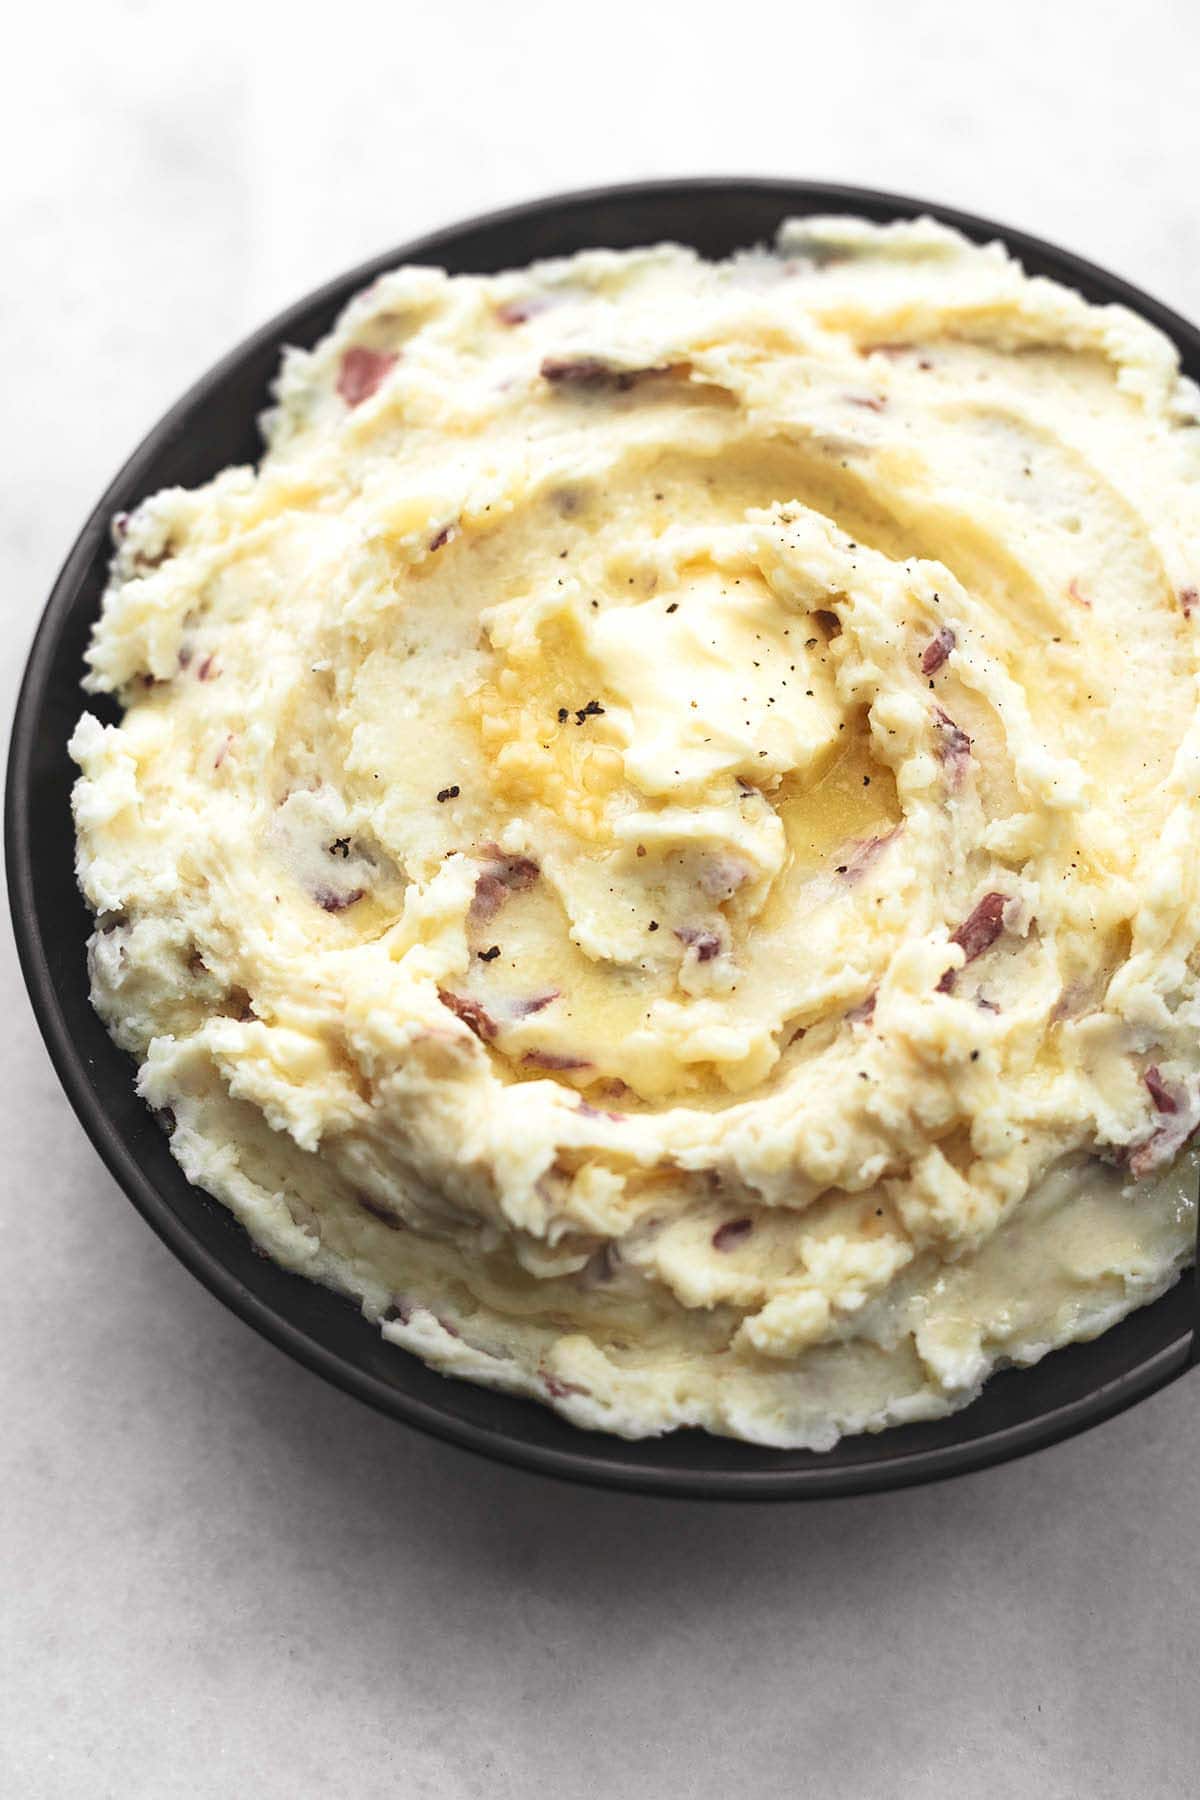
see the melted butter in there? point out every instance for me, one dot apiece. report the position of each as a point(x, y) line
point(539, 742)
point(711, 679)
point(853, 798)
point(537, 956)
point(596, 1006)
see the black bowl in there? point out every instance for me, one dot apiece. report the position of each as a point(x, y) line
point(213, 425)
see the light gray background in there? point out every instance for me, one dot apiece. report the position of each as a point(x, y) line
point(217, 1576)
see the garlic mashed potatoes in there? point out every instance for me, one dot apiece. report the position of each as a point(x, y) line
point(655, 840)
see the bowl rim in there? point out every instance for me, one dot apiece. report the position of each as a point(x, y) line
point(825, 1479)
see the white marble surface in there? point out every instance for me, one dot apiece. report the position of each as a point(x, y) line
point(217, 1576)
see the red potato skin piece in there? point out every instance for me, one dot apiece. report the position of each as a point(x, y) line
point(1142, 1159)
point(952, 749)
point(1166, 1140)
point(732, 1233)
point(335, 903)
point(472, 1014)
point(983, 925)
point(585, 372)
point(977, 933)
point(536, 1003)
point(1164, 1100)
point(553, 1059)
point(706, 944)
point(490, 895)
point(1189, 599)
point(863, 855)
point(504, 875)
point(362, 373)
point(936, 652)
point(516, 872)
point(954, 744)
point(593, 374)
point(557, 1388)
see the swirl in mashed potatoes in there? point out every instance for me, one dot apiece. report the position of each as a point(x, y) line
point(655, 840)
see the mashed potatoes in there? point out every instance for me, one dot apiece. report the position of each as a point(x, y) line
point(655, 842)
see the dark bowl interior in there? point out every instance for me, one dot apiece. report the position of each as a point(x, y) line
point(214, 425)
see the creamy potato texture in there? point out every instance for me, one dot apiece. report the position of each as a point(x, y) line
point(654, 840)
